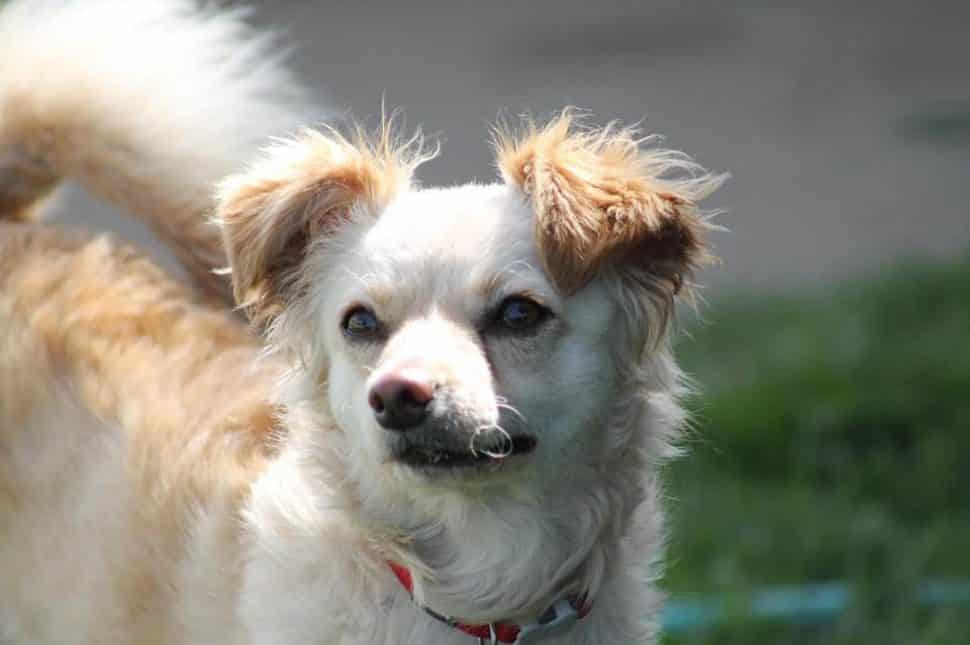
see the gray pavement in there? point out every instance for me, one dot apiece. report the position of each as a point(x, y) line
point(846, 126)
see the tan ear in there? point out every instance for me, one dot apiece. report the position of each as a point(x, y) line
point(600, 199)
point(304, 188)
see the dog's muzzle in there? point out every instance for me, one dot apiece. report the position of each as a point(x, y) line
point(426, 430)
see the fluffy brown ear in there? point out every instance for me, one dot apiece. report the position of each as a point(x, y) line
point(304, 188)
point(600, 198)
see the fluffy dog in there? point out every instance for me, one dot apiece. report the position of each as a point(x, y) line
point(452, 426)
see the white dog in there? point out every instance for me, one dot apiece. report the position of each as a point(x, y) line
point(452, 428)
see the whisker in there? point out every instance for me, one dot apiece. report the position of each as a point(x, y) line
point(502, 404)
point(471, 440)
point(509, 446)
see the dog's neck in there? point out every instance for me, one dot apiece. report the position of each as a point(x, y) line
point(503, 560)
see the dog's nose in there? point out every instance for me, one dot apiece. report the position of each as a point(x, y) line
point(400, 400)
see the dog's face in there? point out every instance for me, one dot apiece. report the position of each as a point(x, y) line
point(451, 352)
point(468, 336)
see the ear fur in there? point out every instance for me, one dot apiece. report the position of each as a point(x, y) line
point(304, 188)
point(600, 198)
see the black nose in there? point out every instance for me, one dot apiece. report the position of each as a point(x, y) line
point(400, 400)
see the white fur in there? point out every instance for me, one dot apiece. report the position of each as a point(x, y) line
point(199, 89)
point(72, 464)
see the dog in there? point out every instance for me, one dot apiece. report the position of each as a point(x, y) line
point(445, 419)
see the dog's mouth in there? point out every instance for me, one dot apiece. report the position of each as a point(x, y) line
point(434, 457)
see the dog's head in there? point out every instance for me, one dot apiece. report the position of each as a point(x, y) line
point(473, 335)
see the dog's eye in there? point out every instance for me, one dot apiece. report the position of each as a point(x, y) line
point(361, 323)
point(520, 314)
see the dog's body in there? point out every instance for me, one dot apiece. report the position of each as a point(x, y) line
point(132, 422)
point(470, 383)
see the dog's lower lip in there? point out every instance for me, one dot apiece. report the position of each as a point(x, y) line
point(443, 458)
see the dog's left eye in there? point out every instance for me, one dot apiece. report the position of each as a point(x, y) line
point(361, 323)
point(520, 314)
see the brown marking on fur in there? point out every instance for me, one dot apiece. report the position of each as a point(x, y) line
point(24, 183)
point(601, 198)
point(305, 189)
point(140, 352)
point(73, 143)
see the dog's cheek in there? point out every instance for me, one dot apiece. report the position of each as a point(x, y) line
point(561, 392)
point(348, 404)
point(583, 359)
point(585, 380)
point(576, 383)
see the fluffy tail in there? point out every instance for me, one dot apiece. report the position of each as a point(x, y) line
point(148, 103)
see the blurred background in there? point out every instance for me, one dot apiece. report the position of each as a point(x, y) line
point(831, 443)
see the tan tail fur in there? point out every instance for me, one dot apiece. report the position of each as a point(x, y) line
point(148, 104)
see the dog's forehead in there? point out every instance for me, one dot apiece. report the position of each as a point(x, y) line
point(471, 227)
point(460, 217)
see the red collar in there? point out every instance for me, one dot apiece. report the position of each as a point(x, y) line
point(558, 617)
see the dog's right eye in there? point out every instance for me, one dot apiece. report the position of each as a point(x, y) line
point(361, 323)
point(519, 315)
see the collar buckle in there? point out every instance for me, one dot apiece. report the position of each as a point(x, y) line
point(557, 620)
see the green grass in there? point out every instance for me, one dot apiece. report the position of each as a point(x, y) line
point(832, 442)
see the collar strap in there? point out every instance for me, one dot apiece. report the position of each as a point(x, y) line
point(557, 619)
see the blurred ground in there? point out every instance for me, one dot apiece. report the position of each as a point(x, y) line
point(846, 125)
point(830, 443)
